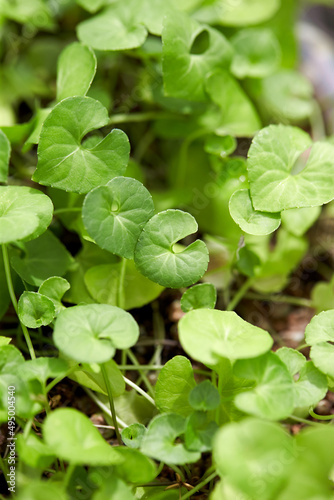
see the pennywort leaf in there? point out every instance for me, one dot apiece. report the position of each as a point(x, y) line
point(132, 436)
point(156, 258)
point(35, 309)
point(204, 397)
point(65, 162)
point(241, 13)
point(319, 334)
point(5, 149)
point(200, 432)
point(54, 288)
point(203, 295)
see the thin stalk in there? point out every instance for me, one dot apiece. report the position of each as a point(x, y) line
point(60, 378)
point(141, 117)
point(240, 294)
point(220, 390)
point(120, 293)
point(104, 407)
point(69, 472)
point(27, 428)
point(297, 301)
point(14, 301)
point(301, 347)
point(66, 210)
point(111, 402)
point(161, 466)
point(140, 367)
point(134, 360)
point(139, 390)
point(304, 421)
point(320, 417)
point(199, 486)
point(178, 471)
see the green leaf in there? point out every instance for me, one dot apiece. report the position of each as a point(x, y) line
point(298, 220)
point(234, 113)
point(273, 395)
point(259, 457)
point(25, 213)
point(65, 162)
point(4, 341)
point(159, 441)
point(4, 294)
point(220, 146)
point(71, 436)
point(10, 359)
point(200, 432)
point(257, 53)
point(174, 384)
point(319, 334)
point(33, 452)
point(89, 375)
point(76, 70)
point(240, 13)
point(136, 467)
point(54, 288)
point(113, 489)
point(293, 360)
point(42, 369)
point(209, 335)
point(189, 52)
point(310, 387)
point(204, 397)
point(4, 156)
point(322, 296)
point(156, 258)
point(276, 181)
point(39, 490)
point(114, 215)
point(35, 310)
point(132, 436)
point(41, 259)
point(103, 284)
point(116, 28)
point(92, 333)
point(34, 12)
point(199, 296)
point(250, 220)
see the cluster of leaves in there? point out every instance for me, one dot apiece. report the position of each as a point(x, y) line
point(88, 234)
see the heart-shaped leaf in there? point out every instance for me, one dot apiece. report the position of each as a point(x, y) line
point(115, 214)
point(319, 334)
point(240, 13)
point(190, 52)
point(92, 333)
point(276, 181)
point(209, 335)
point(10, 359)
point(204, 397)
point(71, 436)
point(156, 258)
point(76, 70)
point(4, 156)
point(159, 441)
point(249, 220)
point(25, 213)
point(273, 394)
point(64, 162)
point(199, 296)
point(174, 384)
point(54, 288)
point(35, 309)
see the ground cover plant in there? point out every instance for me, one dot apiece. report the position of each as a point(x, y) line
point(166, 268)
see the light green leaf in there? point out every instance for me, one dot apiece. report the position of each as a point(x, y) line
point(257, 53)
point(250, 220)
point(277, 181)
point(39, 490)
point(4, 156)
point(41, 258)
point(71, 436)
point(204, 397)
point(116, 28)
point(132, 436)
point(199, 296)
point(293, 360)
point(4, 294)
point(209, 335)
point(35, 12)
point(113, 489)
point(156, 258)
point(35, 310)
point(4, 341)
point(159, 441)
point(136, 467)
point(54, 288)
point(114, 215)
point(103, 284)
point(174, 384)
point(310, 387)
point(38, 120)
point(319, 334)
point(89, 375)
point(220, 146)
point(259, 457)
point(189, 52)
point(273, 395)
point(240, 13)
point(76, 71)
point(133, 408)
point(33, 452)
point(92, 333)
point(42, 369)
point(65, 162)
point(200, 432)
point(25, 213)
point(298, 220)
point(234, 113)
point(10, 359)
point(322, 296)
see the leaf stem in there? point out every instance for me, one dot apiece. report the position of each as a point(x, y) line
point(14, 301)
point(120, 292)
point(111, 402)
point(69, 472)
point(60, 378)
point(199, 486)
point(240, 294)
point(303, 420)
point(141, 117)
point(320, 417)
point(298, 301)
point(65, 210)
point(134, 360)
point(139, 390)
point(104, 407)
point(178, 471)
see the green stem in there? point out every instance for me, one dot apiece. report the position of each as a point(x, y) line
point(69, 472)
point(120, 294)
point(141, 117)
point(240, 294)
point(297, 301)
point(104, 408)
point(301, 347)
point(66, 210)
point(304, 421)
point(320, 417)
point(159, 470)
point(134, 360)
point(27, 428)
point(139, 390)
point(111, 402)
point(60, 378)
point(220, 390)
point(14, 301)
point(199, 486)
point(183, 158)
point(178, 471)
point(140, 367)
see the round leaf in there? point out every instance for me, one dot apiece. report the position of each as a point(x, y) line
point(200, 432)
point(204, 397)
point(25, 213)
point(64, 162)
point(4, 156)
point(71, 436)
point(237, 13)
point(319, 334)
point(156, 258)
point(132, 436)
point(54, 288)
point(136, 468)
point(92, 333)
point(220, 146)
point(115, 214)
point(35, 310)
point(249, 220)
point(199, 296)
point(208, 335)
